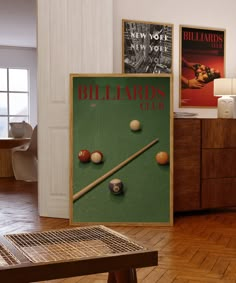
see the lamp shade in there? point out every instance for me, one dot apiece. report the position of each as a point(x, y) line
point(223, 86)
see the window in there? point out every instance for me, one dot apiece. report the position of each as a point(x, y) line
point(14, 98)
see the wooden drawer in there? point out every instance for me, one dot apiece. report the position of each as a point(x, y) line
point(218, 193)
point(218, 163)
point(186, 180)
point(187, 134)
point(219, 133)
point(187, 164)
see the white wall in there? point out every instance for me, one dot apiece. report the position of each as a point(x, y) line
point(18, 23)
point(210, 14)
point(20, 57)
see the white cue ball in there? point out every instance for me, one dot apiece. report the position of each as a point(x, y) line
point(96, 156)
point(135, 125)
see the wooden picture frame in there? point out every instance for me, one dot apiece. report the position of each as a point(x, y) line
point(147, 47)
point(102, 108)
point(202, 54)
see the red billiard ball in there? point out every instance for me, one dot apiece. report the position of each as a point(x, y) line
point(96, 156)
point(84, 155)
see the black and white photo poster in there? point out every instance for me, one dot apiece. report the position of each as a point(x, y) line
point(147, 47)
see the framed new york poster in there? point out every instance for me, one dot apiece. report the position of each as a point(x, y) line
point(146, 47)
point(202, 53)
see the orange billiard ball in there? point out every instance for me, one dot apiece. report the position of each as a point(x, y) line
point(162, 158)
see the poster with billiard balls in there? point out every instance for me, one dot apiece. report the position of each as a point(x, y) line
point(202, 60)
point(121, 152)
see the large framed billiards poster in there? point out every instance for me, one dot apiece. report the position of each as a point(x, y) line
point(121, 149)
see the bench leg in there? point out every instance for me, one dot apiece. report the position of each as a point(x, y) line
point(123, 276)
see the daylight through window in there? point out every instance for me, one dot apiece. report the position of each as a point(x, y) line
point(14, 98)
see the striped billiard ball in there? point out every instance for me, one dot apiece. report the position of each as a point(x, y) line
point(116, 186)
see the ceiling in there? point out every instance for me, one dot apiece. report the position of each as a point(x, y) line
point(18, 23)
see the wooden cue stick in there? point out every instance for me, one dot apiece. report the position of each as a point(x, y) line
point(109, 173)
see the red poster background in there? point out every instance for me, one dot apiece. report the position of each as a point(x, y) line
point(204, 47)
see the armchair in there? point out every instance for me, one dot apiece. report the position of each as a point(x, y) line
point(25, 160)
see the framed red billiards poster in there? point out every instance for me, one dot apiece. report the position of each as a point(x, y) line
point(202, 53)
point(121, 149)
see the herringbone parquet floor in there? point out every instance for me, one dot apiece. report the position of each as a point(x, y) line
point(200, 247)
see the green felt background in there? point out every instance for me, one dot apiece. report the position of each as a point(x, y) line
point(103, 124)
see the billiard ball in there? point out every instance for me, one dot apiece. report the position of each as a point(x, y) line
point(84, 155)
point(162, 158)
point(135, 125)
point(116, 186)
point(96, 156)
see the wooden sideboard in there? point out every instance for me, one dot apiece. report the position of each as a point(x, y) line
point(204, 163)
point(6, 144)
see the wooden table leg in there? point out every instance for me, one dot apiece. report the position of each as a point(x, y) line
point(123, 276)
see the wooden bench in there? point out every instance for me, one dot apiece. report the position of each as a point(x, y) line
point(47, 255)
